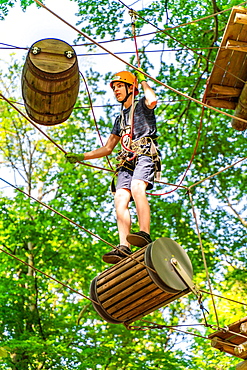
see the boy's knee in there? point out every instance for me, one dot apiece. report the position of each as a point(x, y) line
point(138, 186)
point(122, 196)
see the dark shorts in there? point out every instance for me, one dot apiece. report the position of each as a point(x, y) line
point(143, 170)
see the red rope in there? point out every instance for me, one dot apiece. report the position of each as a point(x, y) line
point(194, 151)
point(137, 53)
point(94, 117)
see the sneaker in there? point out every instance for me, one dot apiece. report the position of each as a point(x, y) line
point(116, 255)
point(139, 239)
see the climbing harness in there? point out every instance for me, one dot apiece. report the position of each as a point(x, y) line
point(143, 146)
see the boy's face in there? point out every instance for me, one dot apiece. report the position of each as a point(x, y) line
point(120, 90)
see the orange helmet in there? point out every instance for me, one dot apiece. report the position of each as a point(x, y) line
point(126, 77)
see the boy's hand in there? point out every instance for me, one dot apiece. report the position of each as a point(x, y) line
point(73, 158)
point(139, 75)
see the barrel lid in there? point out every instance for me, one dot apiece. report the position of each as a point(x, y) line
point(52, 55)
point(161, 252)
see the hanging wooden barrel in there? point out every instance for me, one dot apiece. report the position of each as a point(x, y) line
point(50, 81)
point(136, 287)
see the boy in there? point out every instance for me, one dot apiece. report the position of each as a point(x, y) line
point(139, 156)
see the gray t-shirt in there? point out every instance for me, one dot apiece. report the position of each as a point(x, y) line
point(144, 121)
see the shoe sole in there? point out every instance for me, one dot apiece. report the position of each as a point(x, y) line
point(137, 240)
point(112, 259)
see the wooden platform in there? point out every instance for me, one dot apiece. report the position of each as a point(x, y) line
point(230, 70)
point(228, 342)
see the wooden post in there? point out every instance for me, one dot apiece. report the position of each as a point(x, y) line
point(219, 343)
point(241, 111)
point(243, 328)
point(241, 350)
point(242, 365)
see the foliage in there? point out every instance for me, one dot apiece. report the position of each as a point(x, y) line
point(46, 325)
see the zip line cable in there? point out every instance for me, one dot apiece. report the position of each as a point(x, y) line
point(135, 68)
point(76, 224)
point(48, 276)
point(174, 90)
point(95, 121)
point(203, 256)
point(165, 29)
point(181, 43)
point(160, 326)
point(183, 24)
point(59, 147)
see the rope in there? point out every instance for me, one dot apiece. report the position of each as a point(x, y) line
point(42, 132)
point(183, 24)
point(219, 296)
point(173, 38)
point(174, 90)
point(191, 160)
point(194, 151)
point(203, 257)
point(135, 68)
point(85, 164)
point(151, 51)
point(48, 276)
point(133, 14)
point(13, 47)
point(174, 327)
point(165, 29)
point(217, 173)
point(95, 121)
point(76, 224)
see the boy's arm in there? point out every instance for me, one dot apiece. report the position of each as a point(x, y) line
point(150, 97)
point(97, 153)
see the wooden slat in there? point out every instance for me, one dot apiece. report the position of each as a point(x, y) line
point(140, 304)
point(146, 310)
point(127, 300)
point(220, 103)
point(120, 278)
point(143, 286)
point(225, 90)
point(240, 18)
point(118, 265)
point(160, 299)
point(227, 337)
point(120, 269)
point(241, 111)
point(125, 284)
point(230, 69)
point(237, 45)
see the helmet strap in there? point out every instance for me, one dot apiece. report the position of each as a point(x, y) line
point(127, 94)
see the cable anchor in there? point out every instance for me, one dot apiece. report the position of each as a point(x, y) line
point(187, 280)
point(69, 54)
point(36, 50)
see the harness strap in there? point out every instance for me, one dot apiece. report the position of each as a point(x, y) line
point(143, 146)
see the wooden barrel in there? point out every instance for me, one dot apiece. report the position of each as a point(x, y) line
point(136, 287)
point(50, 81)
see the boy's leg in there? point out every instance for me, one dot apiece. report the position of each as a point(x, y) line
point(143, 177)
point(142, 237)
point(122, 199)
point(138, 190)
